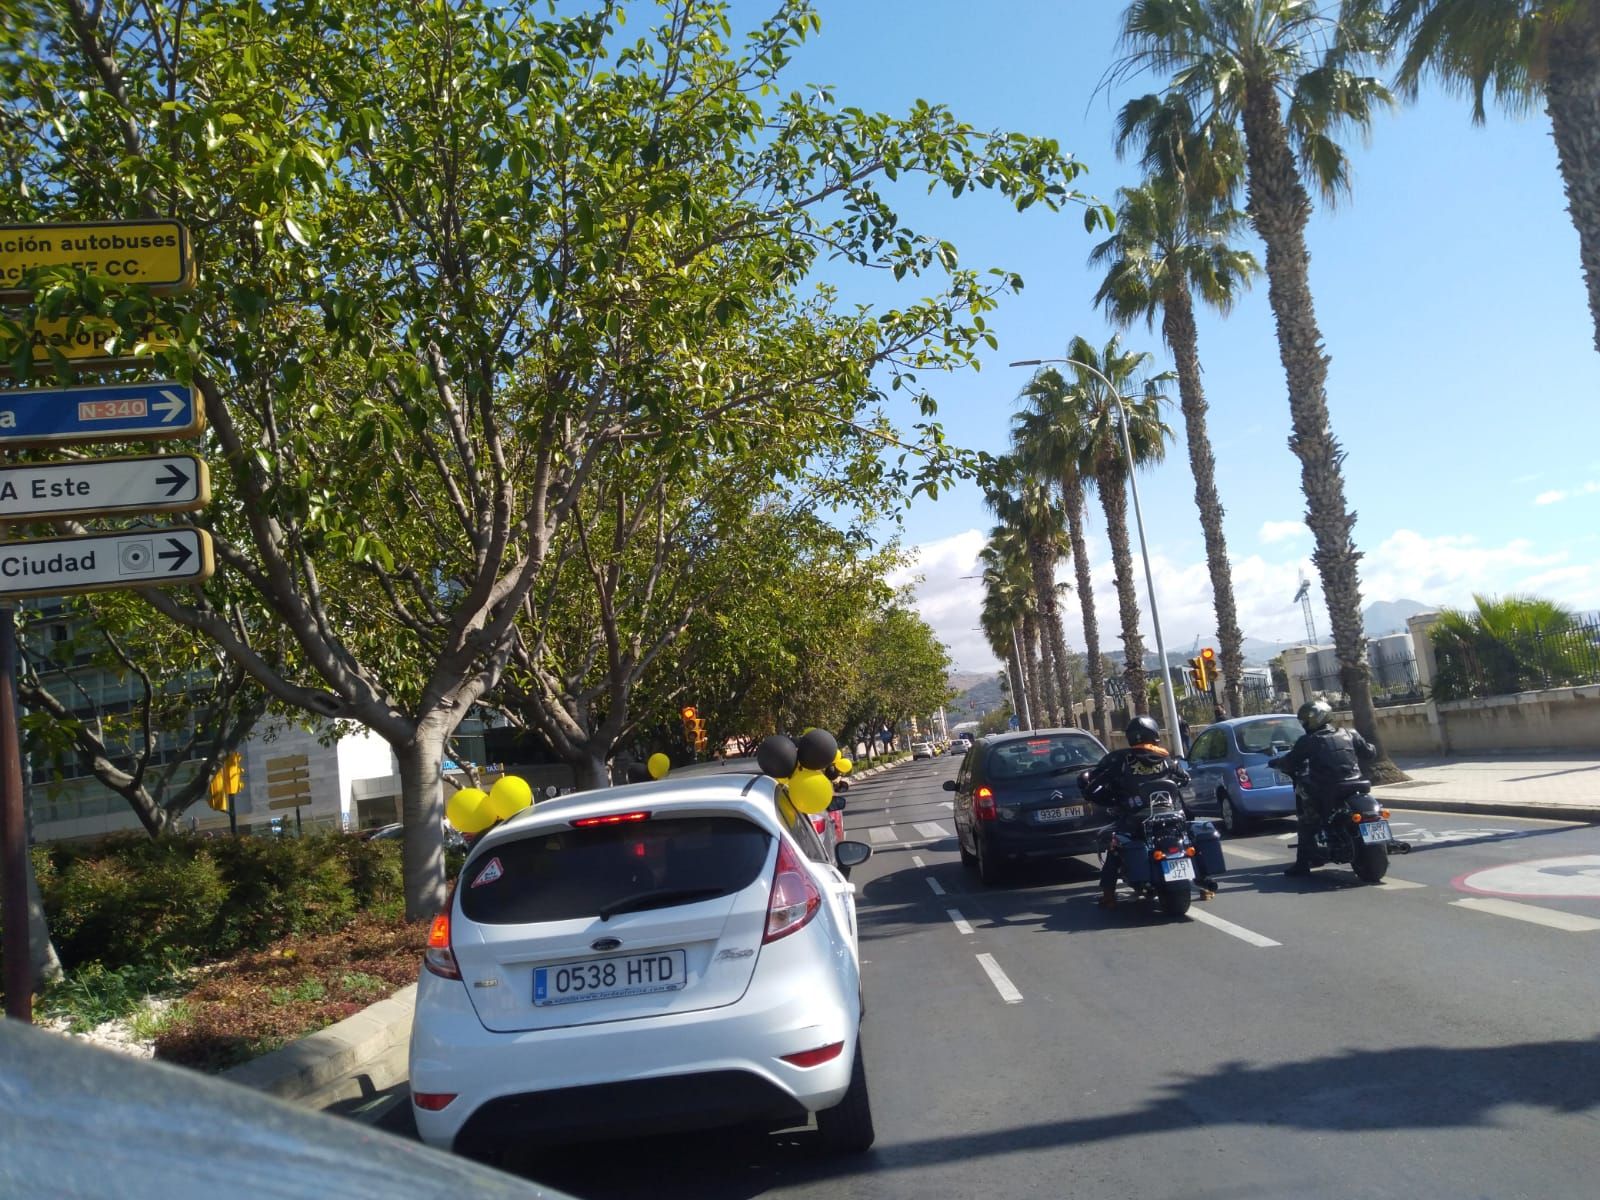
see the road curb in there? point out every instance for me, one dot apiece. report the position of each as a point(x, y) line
point(1534, 812)
point(356, 1058)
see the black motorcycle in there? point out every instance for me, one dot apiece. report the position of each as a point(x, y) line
point(1354, 830)
point(1159, 854)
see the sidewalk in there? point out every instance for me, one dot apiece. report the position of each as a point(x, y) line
point(1555, 786)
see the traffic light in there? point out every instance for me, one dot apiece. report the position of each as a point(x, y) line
point(233, 774)
point(698, 728)
point(218, 798)
point(691, 719)
point(1208, 668)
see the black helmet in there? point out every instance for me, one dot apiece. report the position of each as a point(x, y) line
point(1142, 731)
point(1314, 714)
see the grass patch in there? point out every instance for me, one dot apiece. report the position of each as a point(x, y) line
point(148, 1023)
point(95, 993)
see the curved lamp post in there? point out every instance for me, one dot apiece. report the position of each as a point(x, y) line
point(1169, 696)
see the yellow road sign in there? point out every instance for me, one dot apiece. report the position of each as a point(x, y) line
point(154, 254)
point(289, 803)
point(278, 791)
point(82, 341)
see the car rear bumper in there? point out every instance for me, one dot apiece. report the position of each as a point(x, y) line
point(1025, 841)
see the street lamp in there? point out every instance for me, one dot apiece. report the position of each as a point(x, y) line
point(1168, 693)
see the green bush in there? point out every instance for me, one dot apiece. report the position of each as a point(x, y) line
point(373, 869)
point(280, 885)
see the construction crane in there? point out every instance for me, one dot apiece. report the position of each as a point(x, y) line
point(1303, 599)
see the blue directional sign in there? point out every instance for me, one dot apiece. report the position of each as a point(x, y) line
point(124, 412)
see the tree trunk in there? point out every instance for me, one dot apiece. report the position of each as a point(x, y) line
point(1572, 98)
point(1072, 497)
point(1279, 209)
point(46, 963)
point(1044, 582)
point(591, 770)
point(1014, 669)
point(1044, 595)
point(1114, 500)
point(422, 813)
point(1177, 325)
point(1030, 669)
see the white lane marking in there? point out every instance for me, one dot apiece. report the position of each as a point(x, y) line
point(950, 804)
point(961, 922)
point(1389, 881)
point(938, 888)
point(1232, 930)
point(916, 860)
point(1228, 848)
point(1002, 984)
point(1287, 837)
point(1549, 917)
point(880, 835)
point(929, 830)
point(1417, 812)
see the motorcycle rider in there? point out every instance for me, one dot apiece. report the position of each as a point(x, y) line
point(1331, 758)
point(1122, 780)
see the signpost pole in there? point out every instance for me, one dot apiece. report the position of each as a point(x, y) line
point(13, 833)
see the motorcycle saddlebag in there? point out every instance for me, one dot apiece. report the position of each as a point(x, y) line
point(1208, 847)
point(1135, 861)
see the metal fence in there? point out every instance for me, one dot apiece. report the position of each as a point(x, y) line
point(1393, 676)
point(1519, 661)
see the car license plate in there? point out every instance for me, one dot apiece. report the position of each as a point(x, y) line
point(1177, 868)
point(1375, 831)
point(606, 978)
point(1046, 815)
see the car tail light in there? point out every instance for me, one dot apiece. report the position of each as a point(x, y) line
point(432, 1101)
point(983, 804)
point(439, 957)
point(795, 898)
point(1244, 778)
point(819, 822)
point(815, 1058)
point(610, 819)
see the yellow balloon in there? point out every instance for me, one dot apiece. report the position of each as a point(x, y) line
point(811, 791)
point(658, 764)
point(842, 764)
point(510, 794)
point(468, 812)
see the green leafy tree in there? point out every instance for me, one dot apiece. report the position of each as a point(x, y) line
point(1509, 644)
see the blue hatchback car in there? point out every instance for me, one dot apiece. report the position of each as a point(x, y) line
point(1228, 762)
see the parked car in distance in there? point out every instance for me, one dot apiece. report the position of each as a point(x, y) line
point(649, 958)
point(1228, 765)
point(958, 747)
point(922, 750)
point(1017, 797)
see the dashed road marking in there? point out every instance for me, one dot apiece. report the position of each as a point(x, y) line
point(1002, 983)
point(1287, 837)
point(1550, 918)
point(1228, 848)
point(881, 834)
point(916, 860)
point(938, 888)
point(950, 804)
point(1232, 930)
point(929, 830)
point(961, 922)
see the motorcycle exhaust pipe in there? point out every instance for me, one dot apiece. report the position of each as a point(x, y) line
point(1399, 847)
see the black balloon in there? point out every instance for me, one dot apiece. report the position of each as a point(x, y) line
point(818, 749)
point(776, 756)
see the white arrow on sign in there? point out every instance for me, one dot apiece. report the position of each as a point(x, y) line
point(105, 562)
point(147, 483)
point(169, 406)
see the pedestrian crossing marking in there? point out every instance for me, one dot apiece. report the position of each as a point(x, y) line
point(929, 830)
point(1230, 850)
point(1550, 918)
point(881, 834)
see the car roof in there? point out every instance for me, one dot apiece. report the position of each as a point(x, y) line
point(1233, 721)
point(1000, 739)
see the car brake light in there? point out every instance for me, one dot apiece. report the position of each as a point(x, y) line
point(819, 823)
point(795, 898)
point(983, 804)
point(432, 1101)
point(439, 957)
point(1243, 777)
point(611, 819)
point(815, 1058)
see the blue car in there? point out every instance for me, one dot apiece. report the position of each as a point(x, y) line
point(1228, 762)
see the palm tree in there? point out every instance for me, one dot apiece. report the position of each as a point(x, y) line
point(1509, 644)
point(1171, 244)
point(1049, 441)
point(1096, 413)
point(1527, 50)
point(1007, 588)
point(1288, 73)
point(1023, 500)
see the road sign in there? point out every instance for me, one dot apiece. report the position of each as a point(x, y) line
point(1014, 722)
point(297, 803)
point(100, 487)
point(102, 413)
point(105, 561)
point(280, 791)
point(83, 342)
point(153, 254)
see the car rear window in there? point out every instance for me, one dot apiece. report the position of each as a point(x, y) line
point(1051, 754)
point(564, 874)
point(1264, 737)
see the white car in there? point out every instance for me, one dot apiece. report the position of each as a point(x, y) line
point(640, 959)
point(922, 750)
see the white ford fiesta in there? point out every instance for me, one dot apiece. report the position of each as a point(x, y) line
point(643, 959)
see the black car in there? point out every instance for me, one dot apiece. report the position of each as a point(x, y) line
point(1017, 797)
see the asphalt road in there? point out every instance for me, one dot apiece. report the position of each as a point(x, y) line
point(1434, 1036)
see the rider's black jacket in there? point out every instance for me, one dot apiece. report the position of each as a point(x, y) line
point(1137, 771)
point(1329, 756)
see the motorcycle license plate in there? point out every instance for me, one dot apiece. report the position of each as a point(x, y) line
point(1177, 868)
point(1374, 831)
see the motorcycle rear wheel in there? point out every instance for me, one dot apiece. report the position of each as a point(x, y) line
point(1175, 898)
point(1371, 862)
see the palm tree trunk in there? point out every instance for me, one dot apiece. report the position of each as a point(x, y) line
point(1030, 660)
point(1072, 498)
point(1052, 662)
point(1279, 209)
point(1572, 98)
point(1114, 499)
point(1177, 325)
point(1014, 670)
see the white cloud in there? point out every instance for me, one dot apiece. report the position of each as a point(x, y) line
point(1282, 531)
point(1556, 495)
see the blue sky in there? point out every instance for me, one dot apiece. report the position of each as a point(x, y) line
point(1464, 384)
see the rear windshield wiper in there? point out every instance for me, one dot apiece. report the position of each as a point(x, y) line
point(659, 898)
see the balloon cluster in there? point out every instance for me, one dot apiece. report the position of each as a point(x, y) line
point(802, 767)
point(472, 810)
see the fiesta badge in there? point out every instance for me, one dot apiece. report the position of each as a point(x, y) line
point(491, 871)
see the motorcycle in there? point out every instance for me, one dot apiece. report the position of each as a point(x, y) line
point(1158, 858)
point(1354, 831)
